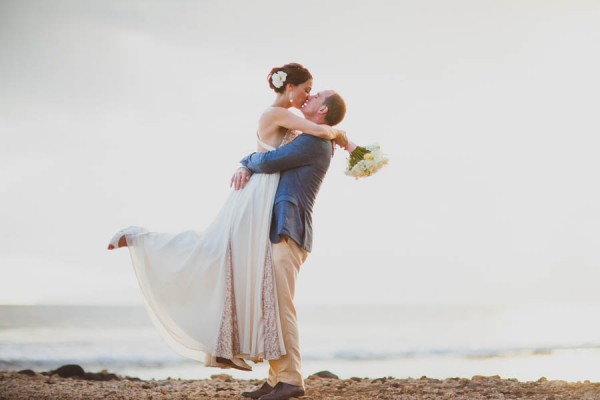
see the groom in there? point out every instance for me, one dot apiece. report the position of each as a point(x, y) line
point(303, 164)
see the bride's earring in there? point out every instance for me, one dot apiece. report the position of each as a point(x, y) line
point(291, 99)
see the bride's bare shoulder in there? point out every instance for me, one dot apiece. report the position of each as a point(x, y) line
point(269, 130)
point(271, 119)
point(273, 113)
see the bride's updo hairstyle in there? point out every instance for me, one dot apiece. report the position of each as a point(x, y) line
point(295, 74)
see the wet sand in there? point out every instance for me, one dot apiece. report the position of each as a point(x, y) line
point(103, 385)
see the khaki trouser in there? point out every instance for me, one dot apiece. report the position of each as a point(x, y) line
point(287, 259)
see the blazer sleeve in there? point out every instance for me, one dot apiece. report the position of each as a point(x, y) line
point(295, 154)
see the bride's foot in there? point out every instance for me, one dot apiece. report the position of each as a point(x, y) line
point(119, 239)
point(237, 363)
point(122, 243)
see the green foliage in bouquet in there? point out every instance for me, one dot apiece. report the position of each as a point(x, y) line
point(358, 154)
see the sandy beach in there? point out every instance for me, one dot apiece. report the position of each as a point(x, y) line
point(324, 385)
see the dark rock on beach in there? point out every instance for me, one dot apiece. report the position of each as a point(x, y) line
point(76, 371)
point(68, 371)
point(102, 376)
point(325, 375)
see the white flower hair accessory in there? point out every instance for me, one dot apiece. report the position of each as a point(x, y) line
point(278, 78)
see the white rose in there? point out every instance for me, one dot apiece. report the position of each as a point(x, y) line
point(278, 78)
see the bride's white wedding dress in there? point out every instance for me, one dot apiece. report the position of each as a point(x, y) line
point(212, 293)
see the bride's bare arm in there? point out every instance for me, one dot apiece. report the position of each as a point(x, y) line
point(349, 146)
point(287, 119)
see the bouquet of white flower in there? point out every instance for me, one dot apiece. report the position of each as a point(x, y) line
point(365, 161)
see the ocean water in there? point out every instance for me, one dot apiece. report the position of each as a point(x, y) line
point(526, 342)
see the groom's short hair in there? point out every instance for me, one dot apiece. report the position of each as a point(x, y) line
point(336, 109)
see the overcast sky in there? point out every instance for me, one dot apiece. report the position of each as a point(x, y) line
point(118, 113)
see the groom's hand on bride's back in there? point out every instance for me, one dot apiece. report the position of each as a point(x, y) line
point(240, 178)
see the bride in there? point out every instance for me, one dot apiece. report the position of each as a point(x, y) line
point(211, 294)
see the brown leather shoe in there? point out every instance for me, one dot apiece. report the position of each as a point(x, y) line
point(264, 389)
point(284, 391)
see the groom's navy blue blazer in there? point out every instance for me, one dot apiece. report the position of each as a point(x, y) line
point(303, 164)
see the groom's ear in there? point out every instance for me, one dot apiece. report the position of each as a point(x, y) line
point(323, 110)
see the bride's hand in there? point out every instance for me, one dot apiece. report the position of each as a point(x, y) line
point(240, 178)
point(341, 139)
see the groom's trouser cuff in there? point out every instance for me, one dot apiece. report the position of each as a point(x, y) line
point(287, 259)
